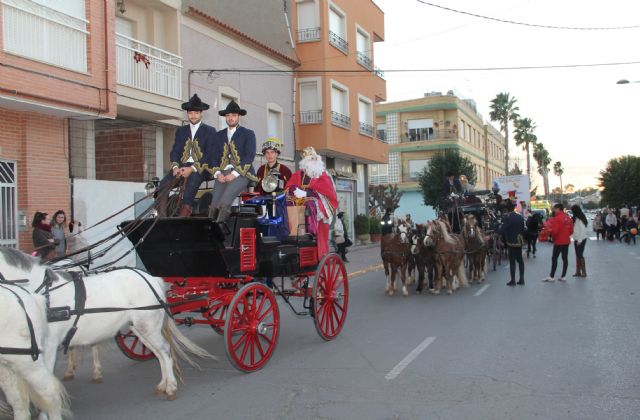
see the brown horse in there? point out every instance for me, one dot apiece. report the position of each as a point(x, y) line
point(475, 248)
point(395, 251)
point(449, 248)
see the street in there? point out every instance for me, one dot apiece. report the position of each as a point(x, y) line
point(545, 351)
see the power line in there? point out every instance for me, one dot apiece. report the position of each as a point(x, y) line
point(573, 28)
point(553, 66)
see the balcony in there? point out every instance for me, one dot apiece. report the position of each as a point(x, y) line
point(311, 117)
point(145, 67)
point(366, 129)
point(338, 42)
point(364, 60)
point(378, 179)
point(40, 33)
point(340, 120)
point(437, 134)
point(309, 35)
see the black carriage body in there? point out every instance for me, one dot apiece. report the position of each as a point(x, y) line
point(199, 247)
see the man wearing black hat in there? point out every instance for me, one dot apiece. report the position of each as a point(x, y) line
point(189, 156)
point(233, 152)
point(450, 204)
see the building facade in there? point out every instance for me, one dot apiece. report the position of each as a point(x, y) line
point(337, 91)
point(419, 128)
point(55, 66)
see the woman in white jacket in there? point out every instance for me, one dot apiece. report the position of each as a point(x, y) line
point(580, 239)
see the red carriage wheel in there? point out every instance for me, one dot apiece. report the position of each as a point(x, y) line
point(330, 297)
point(132, 347)
point(251, 328)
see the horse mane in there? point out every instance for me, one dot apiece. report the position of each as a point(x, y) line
point(16, 258)
point(445, 233)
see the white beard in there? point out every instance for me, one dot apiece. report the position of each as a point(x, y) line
point(312, 166)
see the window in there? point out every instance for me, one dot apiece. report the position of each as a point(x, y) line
point(337, 29)
point(310, 102)
point(308, 26)
point(420, 129)
point(363, 48)
point(365, 116)
point(274, 121)
point(340, 105)
point(416, 167)
point(381, 132)
point(461, 133)
point(378, 174)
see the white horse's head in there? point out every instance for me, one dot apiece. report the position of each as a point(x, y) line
point(16, 265)
point(403, 231)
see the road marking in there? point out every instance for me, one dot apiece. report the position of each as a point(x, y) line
point(364, 271)
point(482, 289)
point(393, 373)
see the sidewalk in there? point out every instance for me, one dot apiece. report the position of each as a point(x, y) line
point(363, 259)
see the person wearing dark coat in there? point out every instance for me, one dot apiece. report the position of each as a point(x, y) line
point(451, 205)
point(513, 231)
point(232, 161)
point(44, 242)
point(189, 156)
point(534, 224)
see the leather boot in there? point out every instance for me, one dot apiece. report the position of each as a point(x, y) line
point(161, 204)
point(185, 211)
point(578, 271)
point(584, 267)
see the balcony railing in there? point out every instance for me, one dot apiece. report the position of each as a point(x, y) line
point(378, 179)
point(40, 33)
point(378, 72)
point(364, 60)
point(366, 129)
point(437, 134)
point(340, 120)
point(145, 67)
point(381, 135)
point(338, 42)
point(309, 34)
point(311, 117)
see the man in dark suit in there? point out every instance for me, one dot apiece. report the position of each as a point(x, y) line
point(451, 204)
point(189, 156)
point(232, 161)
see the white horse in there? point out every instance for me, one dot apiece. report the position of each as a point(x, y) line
point(23, 379)
point(124, 289)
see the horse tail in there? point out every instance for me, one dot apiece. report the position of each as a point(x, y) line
point(181, 346)
point(28, 394)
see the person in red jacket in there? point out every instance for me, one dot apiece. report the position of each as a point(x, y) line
point(561, 230)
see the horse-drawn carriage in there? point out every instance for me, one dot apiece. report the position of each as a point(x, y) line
point(485, 206)
point(222, 274)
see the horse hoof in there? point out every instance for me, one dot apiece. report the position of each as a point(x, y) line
point(449, 292)
point(405, 292)
point(158, 391)
point(96, 380)
point(68, 377)
point(171, 397)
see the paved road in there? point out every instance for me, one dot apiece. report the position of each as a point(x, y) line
point(542, 351)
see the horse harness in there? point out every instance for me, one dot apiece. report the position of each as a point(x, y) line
point(33, 351)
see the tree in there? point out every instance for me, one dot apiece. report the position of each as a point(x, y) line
point(620, 181)
point(515, 171)
point(541, 156)
point(524, 136)
point(558, 170)
point(383, 197)
point(504, 109)
point(432, 178)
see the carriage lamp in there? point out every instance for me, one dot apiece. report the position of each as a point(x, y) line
point(121, 6)
point(149, 188)
point(272, 182)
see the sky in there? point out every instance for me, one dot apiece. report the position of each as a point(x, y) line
point(582, 116)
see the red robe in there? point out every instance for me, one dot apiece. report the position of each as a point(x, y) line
point(323, 189)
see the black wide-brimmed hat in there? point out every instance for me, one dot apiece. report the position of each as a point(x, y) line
point(232, 108)
point(195, 104)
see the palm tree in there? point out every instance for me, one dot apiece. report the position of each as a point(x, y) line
point(558, 170)
point(524, 137)
point(541, 156)
point(504, 109)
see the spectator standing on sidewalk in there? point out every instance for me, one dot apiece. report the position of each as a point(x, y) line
point(579, 239)
point(597, 225)
point(341, 236)
point(534, 224)
point(513, 230)
point(43, 241)
point(57, 229)
point(561, 230)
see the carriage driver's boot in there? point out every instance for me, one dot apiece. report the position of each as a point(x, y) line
point(162, 201)
point(185, 211)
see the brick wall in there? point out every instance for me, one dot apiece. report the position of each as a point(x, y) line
point(120, 155)
point(38, 143)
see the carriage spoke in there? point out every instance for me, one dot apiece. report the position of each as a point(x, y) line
point(262, 302)
point(252, 350)
point(236, 345)
point(264, 315)
point(259, 346)
point(247, 344)
point(269, 342)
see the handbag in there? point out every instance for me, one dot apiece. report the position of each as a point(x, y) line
point(297, 226)
point(340, 240)
point(347, 242)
